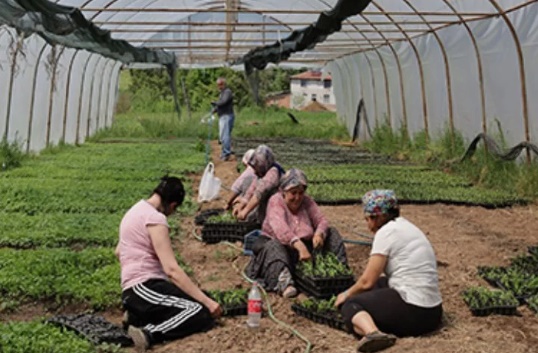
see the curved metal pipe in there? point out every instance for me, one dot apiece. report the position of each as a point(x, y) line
point(420, 68)
point(479, 64)
point(80, 97)
point(522, 77)
point(10, 87)
point(32, 100)
point(447, 69)
point(51, 96)
point(91, 97)
point(114, 80)
point(100, 93)
point(68, 88)
point(400, 74)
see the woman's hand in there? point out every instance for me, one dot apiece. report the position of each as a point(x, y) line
point(304, 254)
point(317, 242)
point(238, 206)
point(214, 308)
point(341, 298)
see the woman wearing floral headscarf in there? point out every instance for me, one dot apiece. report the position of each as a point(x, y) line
point(404, 302)
point(251, 205)
point(293, 227)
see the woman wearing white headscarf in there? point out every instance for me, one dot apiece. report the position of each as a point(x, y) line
point(251, 206)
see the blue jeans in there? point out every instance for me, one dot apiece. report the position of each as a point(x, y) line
point(226, 125)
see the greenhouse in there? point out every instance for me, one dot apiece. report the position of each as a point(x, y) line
point(104, 102)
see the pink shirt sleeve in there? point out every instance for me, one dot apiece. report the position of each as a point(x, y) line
point(287, 227)
point(261, 186)
point(237, 186)
point(270, 181)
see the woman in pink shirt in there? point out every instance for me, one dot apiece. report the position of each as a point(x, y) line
point(161, 301)
point(293, 227)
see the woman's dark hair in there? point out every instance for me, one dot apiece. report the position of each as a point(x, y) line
point(393, 213)
point(170, 189)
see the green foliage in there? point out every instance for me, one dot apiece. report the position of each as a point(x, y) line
point(60, 275)
point(481, 298)
point(326, 266)
point(22, 231)
point(442, 151)
point(225, 217)
point(11, 155)
point(229, 298)
point(149, 90)
point(319, 305)
point(37, 337)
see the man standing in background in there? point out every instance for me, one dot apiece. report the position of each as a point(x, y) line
point(224, 108)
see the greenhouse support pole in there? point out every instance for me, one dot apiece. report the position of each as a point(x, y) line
point(400, 74)
point(420, 68)
point(92, 84)
point(385, 75)
point(67, 89)
point(52, 88)
point(478, 62)
point(32, 101)
point(81, 91)
point(18, 45)
point(447, 72)
point(522, 77)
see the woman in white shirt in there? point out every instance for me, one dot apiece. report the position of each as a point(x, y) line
point(404, 302)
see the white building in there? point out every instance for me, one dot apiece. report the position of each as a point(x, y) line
point(311, 86)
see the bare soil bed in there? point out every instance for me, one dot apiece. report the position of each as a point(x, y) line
point(463, 238)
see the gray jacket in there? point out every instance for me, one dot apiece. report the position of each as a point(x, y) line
point(225, 104)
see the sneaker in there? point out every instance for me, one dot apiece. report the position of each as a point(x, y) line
point(376, 341)
point(139, 337)
point(290, 292)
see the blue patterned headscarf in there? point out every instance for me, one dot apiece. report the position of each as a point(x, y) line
point(262, 159)
point(378, 202)
point(293, 177)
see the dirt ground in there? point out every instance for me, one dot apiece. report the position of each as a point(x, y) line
point(463, 238)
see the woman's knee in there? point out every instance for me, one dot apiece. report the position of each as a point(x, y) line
point(349, 310)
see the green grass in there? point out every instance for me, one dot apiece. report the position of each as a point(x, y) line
point(249, 122)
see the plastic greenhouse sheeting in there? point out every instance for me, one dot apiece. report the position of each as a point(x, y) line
point(426, 65)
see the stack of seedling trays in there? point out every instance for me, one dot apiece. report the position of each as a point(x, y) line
point(233, 302)
point(324, 277)
point(95, 329)
point(321, 311)
point(483, 301)
point(225, 227)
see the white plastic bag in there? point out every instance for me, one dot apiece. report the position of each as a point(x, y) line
point(209, 185)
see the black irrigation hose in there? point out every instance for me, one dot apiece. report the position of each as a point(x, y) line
point(495, 150)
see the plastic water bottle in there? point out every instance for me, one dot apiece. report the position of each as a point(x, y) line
point(254, 306)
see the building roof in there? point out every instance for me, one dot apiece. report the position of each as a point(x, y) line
point(311, 75)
